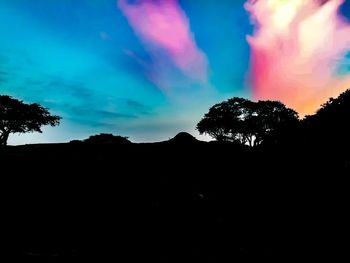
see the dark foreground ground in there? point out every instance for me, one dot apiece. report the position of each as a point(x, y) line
point(173, 202)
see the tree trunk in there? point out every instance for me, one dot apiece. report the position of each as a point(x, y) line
point(3, 138)
point(248, 140)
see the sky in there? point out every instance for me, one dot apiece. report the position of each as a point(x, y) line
point(148, 69)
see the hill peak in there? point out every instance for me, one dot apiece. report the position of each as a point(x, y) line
point(184, 137)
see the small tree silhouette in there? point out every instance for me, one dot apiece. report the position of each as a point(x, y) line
point(246, 122)
point(19, 117)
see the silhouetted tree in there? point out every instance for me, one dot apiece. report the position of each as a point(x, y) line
point(222, 119)
point(246, 122)
point(331, 123)
point(19, 117)
point(106, 138)
point(273, 121)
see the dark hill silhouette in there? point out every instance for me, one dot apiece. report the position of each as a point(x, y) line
point(106, 201)
point(207, 202)
point(184, 138)
point(105, 138)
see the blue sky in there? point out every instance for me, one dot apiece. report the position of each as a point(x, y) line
point(83, 60)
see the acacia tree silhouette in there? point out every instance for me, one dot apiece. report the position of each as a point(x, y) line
point(19, 117)
point(246, 122)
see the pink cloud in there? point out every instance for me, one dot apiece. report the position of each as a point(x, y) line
point(296, 48)
point(164, 25)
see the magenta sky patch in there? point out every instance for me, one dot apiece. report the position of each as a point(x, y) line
point(164, 25)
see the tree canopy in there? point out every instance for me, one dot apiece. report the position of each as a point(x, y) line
point(19, 117)
point(331, 122)
point(246, 122)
